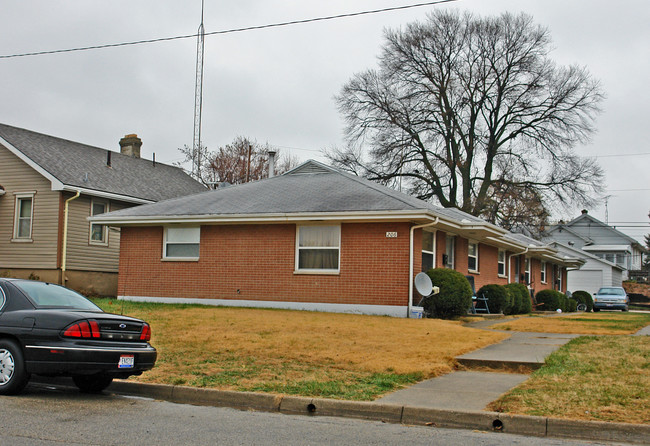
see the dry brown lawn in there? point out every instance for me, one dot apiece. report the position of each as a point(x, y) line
point(277, 351)
point(601, 323)
point(604, 378)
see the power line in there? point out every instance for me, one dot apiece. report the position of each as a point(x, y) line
point(228, 31)
point(620, 154)
point(626, 190)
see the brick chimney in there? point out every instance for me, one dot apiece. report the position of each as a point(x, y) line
point(130, 145)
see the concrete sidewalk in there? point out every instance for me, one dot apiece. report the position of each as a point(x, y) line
point(473, 390)
point(456, 391)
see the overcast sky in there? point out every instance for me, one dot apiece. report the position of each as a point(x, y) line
point(277, 85)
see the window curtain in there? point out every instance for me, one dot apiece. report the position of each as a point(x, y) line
point(318, 247)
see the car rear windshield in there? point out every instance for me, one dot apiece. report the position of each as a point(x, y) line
point(612, 291)
point(54, 296)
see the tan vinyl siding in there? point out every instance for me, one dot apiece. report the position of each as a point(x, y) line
point(18, 177)
point(83, 255)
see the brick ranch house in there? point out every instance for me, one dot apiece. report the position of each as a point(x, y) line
point(317, 239)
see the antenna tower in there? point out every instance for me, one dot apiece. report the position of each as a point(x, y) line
point(198, 100)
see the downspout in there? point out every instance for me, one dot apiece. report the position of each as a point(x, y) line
point(413, 228)
point(510, 264)
point(65, 236)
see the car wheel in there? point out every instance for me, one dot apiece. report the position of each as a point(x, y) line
point(596, 310)
point(582, 307)
point(92, 383)
point(13, 376)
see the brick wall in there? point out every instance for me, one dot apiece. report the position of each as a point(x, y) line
point(256, 262)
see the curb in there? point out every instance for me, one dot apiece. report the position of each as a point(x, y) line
point(419, 416)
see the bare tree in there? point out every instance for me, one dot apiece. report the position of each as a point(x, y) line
point(463, 106)
point(240, 161)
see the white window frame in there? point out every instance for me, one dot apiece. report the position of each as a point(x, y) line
point(429, 252)
point(543, 272)
point(527, 276)
point(475, 257)
point(19, 197)
point(298, 270)
point(501, 263)
point(190, 237)
point(104, 240)
point(450, 251)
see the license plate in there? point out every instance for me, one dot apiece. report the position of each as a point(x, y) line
point(126, 362)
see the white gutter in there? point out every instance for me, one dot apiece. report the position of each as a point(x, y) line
point(378, 216)
point(65, 236)
point(109, 195)
point(413, 228)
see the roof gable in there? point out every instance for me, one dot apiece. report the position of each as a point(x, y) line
point(75, 166)
point(585, 222)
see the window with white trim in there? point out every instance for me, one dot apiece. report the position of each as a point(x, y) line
point(427, 250)
point(318, 248)
point(542, 273)
point(527, 271)
point(24, 216)
point(501, 263)
point(472, 257)
point(98, 233)
point(182, 243)
point(450, 251)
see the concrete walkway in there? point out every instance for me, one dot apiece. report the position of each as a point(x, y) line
point(456, 391)
point(520, 350)
point(474, 390)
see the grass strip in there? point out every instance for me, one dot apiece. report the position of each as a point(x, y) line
point(601, 323)
point(604, 378)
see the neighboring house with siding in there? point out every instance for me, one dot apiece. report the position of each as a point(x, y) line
point(41, 176)
point(595, 272)
point(598, 239)
point(313, 238)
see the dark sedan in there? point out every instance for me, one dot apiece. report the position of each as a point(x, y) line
point(50, 330)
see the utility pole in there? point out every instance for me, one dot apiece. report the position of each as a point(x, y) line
point(198, 100)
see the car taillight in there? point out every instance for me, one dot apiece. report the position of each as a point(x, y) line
point(83, 329)
point(146, 332)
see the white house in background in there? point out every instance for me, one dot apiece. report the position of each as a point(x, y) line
point(602, 241)
point(595, 272)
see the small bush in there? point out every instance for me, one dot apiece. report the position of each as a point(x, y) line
point(522, 298)
point(499, 299)
point(584, 297)
point(572, 305)
point(454, 298)
point(550, 300)
point(517, 300)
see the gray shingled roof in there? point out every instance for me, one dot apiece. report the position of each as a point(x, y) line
point(82, 166)
point(310, 188)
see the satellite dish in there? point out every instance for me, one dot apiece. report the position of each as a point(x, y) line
point(423, 284)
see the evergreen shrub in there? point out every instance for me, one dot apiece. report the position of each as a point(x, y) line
point(584, 297)
point(499, 299)
point(572, 305)
point(550, 300)
point(524, 304)
point(454, 298)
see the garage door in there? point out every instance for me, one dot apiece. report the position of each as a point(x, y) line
point(587, 280)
